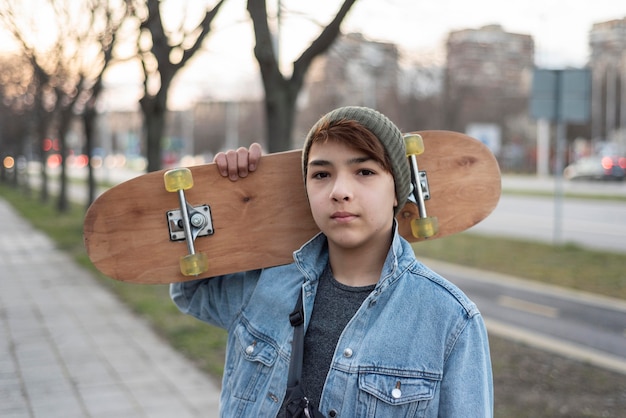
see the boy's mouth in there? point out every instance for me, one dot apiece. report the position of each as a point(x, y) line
point(343, 216)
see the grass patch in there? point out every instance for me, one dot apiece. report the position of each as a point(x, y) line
point(566, 265)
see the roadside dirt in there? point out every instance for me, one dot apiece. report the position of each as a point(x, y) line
point(532, 383)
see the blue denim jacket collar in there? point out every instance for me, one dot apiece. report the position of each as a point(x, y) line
point(312, 258)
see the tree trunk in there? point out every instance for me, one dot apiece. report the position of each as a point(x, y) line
point(65, 119)
point(89, 118)
point(154, 106)
point(154, 112)
point(281, 93)
point(280, 108)
point(42, 133)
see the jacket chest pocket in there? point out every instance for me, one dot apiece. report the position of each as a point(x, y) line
point(383, 395)
point(249, 368)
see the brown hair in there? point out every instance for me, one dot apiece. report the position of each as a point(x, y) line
point(354, 135)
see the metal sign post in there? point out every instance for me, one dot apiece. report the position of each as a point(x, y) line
point(560, 96)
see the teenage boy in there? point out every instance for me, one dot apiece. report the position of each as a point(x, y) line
point(385, 335)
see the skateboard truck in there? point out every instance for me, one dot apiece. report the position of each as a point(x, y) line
point(426, 226)
point(192, 221)
point(199, 218)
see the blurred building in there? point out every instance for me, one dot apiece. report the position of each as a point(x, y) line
point(120, 132)
point(487, 84)
point(219, 125)
point(607, 41)
point(354, 71)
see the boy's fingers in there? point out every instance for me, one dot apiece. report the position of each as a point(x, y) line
point(232, 164)
point(238, 163)
point(222, 163)
point(254, 156)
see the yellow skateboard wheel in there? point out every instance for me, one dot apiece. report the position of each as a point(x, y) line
point(178, 179)
point(425, 227)
point(194, 264)
point(414, 144)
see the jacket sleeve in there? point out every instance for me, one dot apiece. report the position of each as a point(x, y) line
point(216, 300)
point(467, 385)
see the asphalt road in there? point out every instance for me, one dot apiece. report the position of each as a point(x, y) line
point(574, 324)
point(595, 224)
point(587, 327)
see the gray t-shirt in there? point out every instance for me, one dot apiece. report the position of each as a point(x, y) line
point(335, 305)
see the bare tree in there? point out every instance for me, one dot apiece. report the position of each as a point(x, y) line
point(281, 92)
point(15, 103)
point(163, 53)
point(24, 31)
point(67, 66)
point(95, 28)
point(110, 17)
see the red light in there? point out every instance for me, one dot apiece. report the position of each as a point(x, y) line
point(607, 163)
point(54, 161)
point(622, 162)
point(47, 144)
point(81, 161)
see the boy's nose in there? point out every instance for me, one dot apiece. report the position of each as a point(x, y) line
point(341, 190)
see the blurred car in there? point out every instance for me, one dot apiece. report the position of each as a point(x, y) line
point(596, 168)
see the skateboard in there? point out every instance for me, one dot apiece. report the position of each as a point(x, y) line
point(188, 223)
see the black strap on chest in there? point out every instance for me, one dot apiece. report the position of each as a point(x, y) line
point(297, 344)
point(296, 403)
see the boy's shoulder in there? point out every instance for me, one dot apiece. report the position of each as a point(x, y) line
point(438, 285)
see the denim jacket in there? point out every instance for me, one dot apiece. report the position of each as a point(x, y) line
point(417, 347)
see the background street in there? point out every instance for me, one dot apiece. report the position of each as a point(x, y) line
point(594, 224)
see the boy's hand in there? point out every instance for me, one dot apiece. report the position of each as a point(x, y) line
point(238, 163)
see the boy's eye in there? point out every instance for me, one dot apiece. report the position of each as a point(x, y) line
point(319, 175)
point(366, 172)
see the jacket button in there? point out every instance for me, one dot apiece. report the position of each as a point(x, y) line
point(347, 352)
point(250, 350)
point(332, 413)
point(396, 393)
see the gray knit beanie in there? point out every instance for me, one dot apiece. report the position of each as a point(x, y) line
point(386, 132)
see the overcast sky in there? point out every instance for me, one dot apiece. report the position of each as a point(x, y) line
point(559, 28)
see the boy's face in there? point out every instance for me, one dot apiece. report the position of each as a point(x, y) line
point(351, 196)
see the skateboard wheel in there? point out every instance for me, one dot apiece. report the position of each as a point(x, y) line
point(414, 144)
point(178, 179)
point(194, 264)
point(425, 227)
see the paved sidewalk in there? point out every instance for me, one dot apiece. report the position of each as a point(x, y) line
point(68, 348)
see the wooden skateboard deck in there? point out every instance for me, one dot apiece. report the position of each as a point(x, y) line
point(260, 220)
